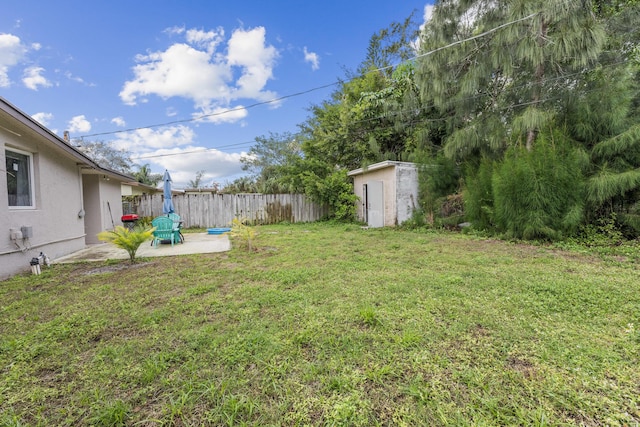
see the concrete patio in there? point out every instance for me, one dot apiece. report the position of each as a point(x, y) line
point(194, 243)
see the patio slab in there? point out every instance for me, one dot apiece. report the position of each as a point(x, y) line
point(194, 243)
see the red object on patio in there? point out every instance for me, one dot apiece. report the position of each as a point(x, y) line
point(129, 220)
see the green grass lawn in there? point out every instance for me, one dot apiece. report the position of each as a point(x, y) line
point(327, 325)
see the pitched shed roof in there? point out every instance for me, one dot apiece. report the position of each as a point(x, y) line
point(381, 165)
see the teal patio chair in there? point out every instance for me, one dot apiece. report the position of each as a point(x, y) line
point(163, 230)
point(177, 226)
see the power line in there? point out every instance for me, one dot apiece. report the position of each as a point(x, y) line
point(271, 101)
point(219, 113)
point(201, 150)
point(411, 122)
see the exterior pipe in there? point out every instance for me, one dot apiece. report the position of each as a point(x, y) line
point(44, 244)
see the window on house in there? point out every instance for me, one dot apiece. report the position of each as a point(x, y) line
point(19, 185)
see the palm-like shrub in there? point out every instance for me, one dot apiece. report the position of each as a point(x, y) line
point(242, 233)
point(129, 240)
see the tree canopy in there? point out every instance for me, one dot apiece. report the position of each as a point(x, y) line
point(507, 75)
point(145, 176)
point(527, 109)
point(105, 155)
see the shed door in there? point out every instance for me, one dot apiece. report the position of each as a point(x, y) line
point(374, 204)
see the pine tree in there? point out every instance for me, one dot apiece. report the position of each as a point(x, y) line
point(511, 67)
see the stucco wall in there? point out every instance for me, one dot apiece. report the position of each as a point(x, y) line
point(102, 205)
point(400, 190)
point(387, 176)
point(57, 229)
point(406, 191)
point(111, 204)
point(92, 207)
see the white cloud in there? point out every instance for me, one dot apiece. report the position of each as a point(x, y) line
point(77, 79)
point(181, 71)
point(43, 118)
point(222, 114)
point(312, 58)
point(205, 39)
point(203, 71)
point(184, 163)
point(428, 12)
point(79, 124)
point(118, 121)
point(33, 78)
point(247, 50)
point(175, 148)
point(174, 30)
point(12, 51)
point(143, 141)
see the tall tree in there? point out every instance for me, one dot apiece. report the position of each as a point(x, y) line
point(145, 176)
point(604, 118)
point(391, 46)
point(273, 161)
point(354, 128)
point(502, 69)
point(197, 181)
point(105, 155)
point(521, 72)
point(346, 132)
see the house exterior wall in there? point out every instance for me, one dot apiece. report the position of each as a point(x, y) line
point(111, 204)
point(400, 189)
point(92, 207)
point(57, 229)
point(42, 190)
point(102, 205)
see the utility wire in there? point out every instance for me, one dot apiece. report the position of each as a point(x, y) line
point(411, 122)
point(219, 113)
point(271, 101)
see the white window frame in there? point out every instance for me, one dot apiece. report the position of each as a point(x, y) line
point(32, 194)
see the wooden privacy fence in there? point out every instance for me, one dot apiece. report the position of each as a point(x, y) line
point(218, 210)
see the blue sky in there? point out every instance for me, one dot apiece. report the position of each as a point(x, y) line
point(119, 68)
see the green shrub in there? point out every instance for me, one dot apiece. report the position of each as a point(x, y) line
point(242, 233)
point(129, 240)
point(438, 178)
point(417, 221)
point(478, 195)
point(539, 194)
point(605, 232)
point(336, 191)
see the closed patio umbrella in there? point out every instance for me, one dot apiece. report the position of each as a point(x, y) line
point(167, 205)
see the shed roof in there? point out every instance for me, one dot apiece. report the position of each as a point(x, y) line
point(381, 165)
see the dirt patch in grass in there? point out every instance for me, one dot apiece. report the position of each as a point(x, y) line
point(115, 267)
point(525, 367)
